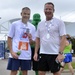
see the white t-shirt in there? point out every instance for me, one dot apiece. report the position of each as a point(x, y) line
point(18, 32)
point(49, 33)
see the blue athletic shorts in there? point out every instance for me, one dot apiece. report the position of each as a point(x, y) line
point(68, 58)
point(14, 64)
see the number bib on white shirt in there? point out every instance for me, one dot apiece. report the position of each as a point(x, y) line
point(23, 45)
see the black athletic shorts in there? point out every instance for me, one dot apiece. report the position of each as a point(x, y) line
point(47, 63)
point(34, 63)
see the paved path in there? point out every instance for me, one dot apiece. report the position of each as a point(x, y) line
point(3, 71)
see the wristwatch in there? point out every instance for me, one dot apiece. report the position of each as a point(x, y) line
point(60, 52)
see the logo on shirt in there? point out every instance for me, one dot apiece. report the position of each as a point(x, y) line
point(24, 35)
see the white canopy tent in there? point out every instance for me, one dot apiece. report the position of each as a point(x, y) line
point(4, 27)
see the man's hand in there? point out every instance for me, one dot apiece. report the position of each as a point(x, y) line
point(29, 36)
point(30, 39)
point(60, 57)
point(14, 55)
point(35, 57)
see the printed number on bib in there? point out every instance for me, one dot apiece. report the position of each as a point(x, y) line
point(23, 45)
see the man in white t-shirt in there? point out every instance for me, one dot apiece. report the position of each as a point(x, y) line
point(20, 36)
point(50, 37)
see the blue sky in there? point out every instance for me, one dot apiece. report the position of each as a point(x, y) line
point(9, 9)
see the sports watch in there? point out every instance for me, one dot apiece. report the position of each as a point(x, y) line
point(60, 52)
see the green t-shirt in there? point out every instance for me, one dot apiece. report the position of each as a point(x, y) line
point(67, 48)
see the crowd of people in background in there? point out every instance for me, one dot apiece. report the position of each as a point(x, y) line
point(47, 40)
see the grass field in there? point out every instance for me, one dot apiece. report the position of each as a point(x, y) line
point(73, 64)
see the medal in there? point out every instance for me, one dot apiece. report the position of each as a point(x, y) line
point(48, 25)
point(48, 36)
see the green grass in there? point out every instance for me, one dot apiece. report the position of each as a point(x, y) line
point(73, 64)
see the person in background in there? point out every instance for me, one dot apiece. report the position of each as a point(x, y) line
point(68, 55)
point(50, 37)
point(21, 35)
point(36, 19)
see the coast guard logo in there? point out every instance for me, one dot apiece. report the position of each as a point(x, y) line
point(25, 35)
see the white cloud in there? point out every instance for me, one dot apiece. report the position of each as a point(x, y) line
point(11, 8)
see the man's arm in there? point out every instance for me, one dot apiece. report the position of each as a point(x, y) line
point(60, 56)
point(14, 55)
point(37, 46)
point(62, 43)
point(10, 44)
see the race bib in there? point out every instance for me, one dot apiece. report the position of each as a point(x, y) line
point(23, 45)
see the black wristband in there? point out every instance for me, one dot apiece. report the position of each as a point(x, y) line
point(61, 53)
